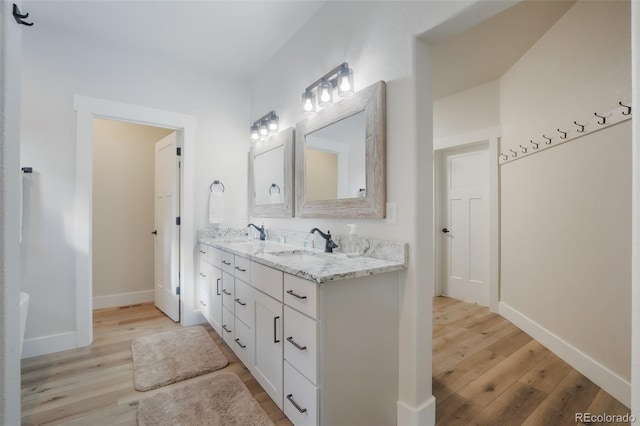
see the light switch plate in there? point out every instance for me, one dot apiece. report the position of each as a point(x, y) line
point(391, 213)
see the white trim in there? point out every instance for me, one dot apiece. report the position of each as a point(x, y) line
point(87, 109)
point(49, 344)
point(618, 387)
point(635, 213)
point(422, 415)
point(490, 136)
point(122, 299)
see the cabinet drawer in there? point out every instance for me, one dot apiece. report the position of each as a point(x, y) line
point(228, 290)
point(203, 251)
point(214, 256)
point(243, 340)
point(243, 302)
point(267, 280)
point(228, 325)
point(227, 262)
point(301, 294)
point(300, 398)
point(242, 269)
point(301, 343)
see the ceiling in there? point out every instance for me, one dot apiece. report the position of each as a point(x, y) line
point(235, 37)
point(487, 50)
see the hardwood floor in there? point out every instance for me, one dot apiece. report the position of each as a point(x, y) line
point(94, 385)
point(486, 371)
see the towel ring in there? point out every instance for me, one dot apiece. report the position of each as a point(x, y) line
point(216, 182)
point(273, 185)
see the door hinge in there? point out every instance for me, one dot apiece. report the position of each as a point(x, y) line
point(178, 220)
point(179, 151)
point(177, 291)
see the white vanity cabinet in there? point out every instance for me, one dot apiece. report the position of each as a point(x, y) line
point(341, 350)
point(210, 286)
point(268, 320)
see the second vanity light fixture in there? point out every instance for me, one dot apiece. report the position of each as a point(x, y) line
point(265, 126)
point(340, 77)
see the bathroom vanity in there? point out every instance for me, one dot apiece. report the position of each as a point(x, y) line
point(319, 331)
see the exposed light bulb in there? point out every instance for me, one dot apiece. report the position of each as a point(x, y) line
point(254, 135)
point(325, 96)
point(345, 86)
point(308, 105)
point(273, 126)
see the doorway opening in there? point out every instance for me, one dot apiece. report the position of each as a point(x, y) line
point(132, 260)
point(185, 125)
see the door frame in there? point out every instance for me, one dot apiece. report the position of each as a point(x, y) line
point(88, 108)
point(487, 137)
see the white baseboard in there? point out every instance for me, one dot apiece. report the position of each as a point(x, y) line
point(122, 299)
point(424, 415)
point(618, 387)
point(48, 344)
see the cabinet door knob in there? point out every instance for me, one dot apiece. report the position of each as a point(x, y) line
point(154, 232)
point(445, 230)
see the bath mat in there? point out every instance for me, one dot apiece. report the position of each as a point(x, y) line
point(221, 399)
point(173, 356)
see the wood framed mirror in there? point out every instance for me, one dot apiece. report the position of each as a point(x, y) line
point(271, 176)
point(341, 158)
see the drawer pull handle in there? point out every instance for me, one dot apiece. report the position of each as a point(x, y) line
point(203, 252)
point(241, 303)
point(295, 294)
point(224, 327)
point(226, 292)
point(240, 344)
point(203, 304)
point(218, 287)
point(226, 263)
point(240, 269)
point(295, 404)
point(275, 330)
point(290, 340)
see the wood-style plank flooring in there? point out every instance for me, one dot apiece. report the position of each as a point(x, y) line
point(94, 385)
point(486, 371)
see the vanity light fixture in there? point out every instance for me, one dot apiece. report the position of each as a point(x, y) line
point(340, 77)
point(265, 125)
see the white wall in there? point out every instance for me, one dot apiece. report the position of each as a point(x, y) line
point(123, 212)
point(635, 254)
point(566, 211)
point(468, 111)
point(377, 39)
point(10, 41)
point(57, 66)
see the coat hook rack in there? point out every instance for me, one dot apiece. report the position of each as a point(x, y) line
point(604, 119)
point(27, 170)
point(626, 106)
point(504, 156)
point(581, 129)
point(515, 154)
point(548, 142)
point(564, 134)
point(19, 16)
point(214, 183)
point(535, 145)
point(524, 150)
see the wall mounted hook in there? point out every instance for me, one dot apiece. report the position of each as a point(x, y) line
point(19, 16)
point(564, 134)
point(535, 144)
point(504, 156)
point(524, 150)
point(604, 119)
point(581, 129)
point(626, 106)
point(514, 154)
point(548, 142)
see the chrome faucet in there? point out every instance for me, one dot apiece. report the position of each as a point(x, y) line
point(263, 236)
point(330, 245)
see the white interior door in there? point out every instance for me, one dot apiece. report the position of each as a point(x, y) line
point(465, 227)
point(167, 240)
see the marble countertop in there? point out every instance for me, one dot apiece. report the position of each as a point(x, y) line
point(309, 263)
